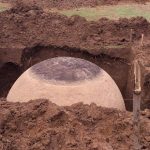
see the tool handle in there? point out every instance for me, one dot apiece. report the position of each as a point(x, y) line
point(137, 78)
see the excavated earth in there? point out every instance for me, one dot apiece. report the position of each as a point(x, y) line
point(42, 125)
point(29, 35)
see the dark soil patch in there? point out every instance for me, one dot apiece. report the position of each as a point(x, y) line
point(9, 72)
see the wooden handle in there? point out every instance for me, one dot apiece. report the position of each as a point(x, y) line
point(137, 78)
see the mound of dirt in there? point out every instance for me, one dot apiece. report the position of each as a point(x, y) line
point(27, 26)
point(61, 4)
point(43, 125)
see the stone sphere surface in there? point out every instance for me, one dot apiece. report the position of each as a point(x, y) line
point(65, 81)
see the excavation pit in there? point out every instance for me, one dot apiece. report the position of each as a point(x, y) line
point(66, 81)
point(105, 43)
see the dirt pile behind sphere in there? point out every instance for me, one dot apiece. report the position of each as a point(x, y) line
point(23, 26)
point(43, 125)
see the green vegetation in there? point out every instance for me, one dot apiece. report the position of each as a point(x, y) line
point(4, 6)
point(112, 12)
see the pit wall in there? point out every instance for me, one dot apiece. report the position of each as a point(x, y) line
point(118, 68)
point(146, 87)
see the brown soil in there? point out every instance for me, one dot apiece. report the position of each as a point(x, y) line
point(61, 4)
point(29, 35)
point(42, 125)
point(23, 27)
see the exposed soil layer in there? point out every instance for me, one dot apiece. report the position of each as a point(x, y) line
point(29, 35)
point(61, 4)
point(42, 125)
point(143, 55)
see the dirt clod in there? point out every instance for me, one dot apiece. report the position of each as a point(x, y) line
point(40, 124)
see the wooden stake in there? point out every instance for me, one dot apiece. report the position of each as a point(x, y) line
point(136, 105)
point(137, 78)
point(142, 39)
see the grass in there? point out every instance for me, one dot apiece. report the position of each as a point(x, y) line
point(4, 6)
point(112, 12)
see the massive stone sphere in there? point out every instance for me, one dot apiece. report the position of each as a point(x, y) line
point(65, 81)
